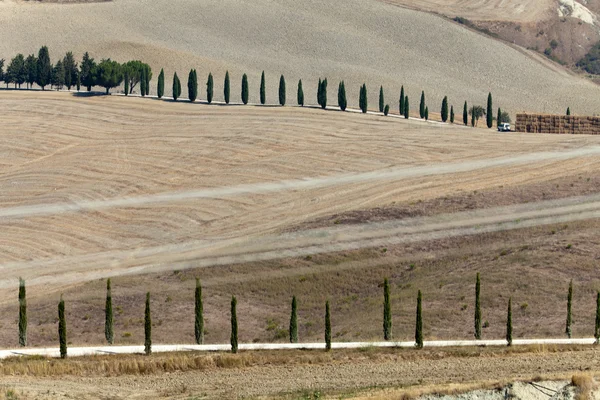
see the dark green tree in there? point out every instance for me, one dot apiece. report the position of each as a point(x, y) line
point(109, 333)
point(509, 323)
point(176, 87)
point(226, 88)
point(597, 327)
point(199, 314)
point(234, 326)
point(568, 110)
point(2, 69)
point(62, 328)
point(465, 114)
point(451, 114)
point(386, 110)
point(245, 89)
point(263, 90)
point(362, 99)
point(22, 313)
point(323, 94)
point(31, 68)
point(445, 109)
point(44, 68)
point(16, 72)
point(142, 82)
point(300, 94)
point(58, 75)
point(192, 85)
point(401, 101)
point(381, 100)
point(327, 327)
point(126, 82)
point(70, 70)
point(406, 108)
point(426, 113)
point(282, 91)
point(569, 315)
point(387, 311)
point(422, 105)
point(499, 117)
point(109, 74)
point(477, 308)
point(490, 112)
point(209, 88)
point(160, 90)
point(342, 96)
point(147, 327)
point(419, 324)
point(137, 72)
point(294, 322)
point(319, 88)
point(78, 81)
point(476, 113)
point(88, 71)
point(148, 76)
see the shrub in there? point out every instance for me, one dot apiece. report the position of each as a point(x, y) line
point(386, 110)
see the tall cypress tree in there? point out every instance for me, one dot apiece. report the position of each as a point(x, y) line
point(199, 314)
point(489, 112)
point(226, 88)
point(126, 82)
point(327, 327)
point(44, 68)
point(78, 81)
point(597, 327)
point(147, 327)
point(108, 315)
point(568, 110)
point(387, 311)
point(300, 94)
point(160, 90)
point(381, 99)
point(465, 114)
point(323, 91)
point(406, 108)
point(342, 96)
point(245, 89)
point(363, 102)
point(419, 324)
point(22, 313)
point(451, 114)
point(62, 328)
point(445, 109)
point(234, 326)
point(509, 323)
point(176, 85)
point(294, 322)
point(319, 88)
point(147, 76)
point(422, 105)
point(192, 86)
point(477, 308)
point(263, 90)
point(209, 88)
point(569, 315)
point(499, 117)
point(401, 101)
point(282, 91)
point(87, 71)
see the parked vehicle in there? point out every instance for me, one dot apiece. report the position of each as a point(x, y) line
point(504, 127)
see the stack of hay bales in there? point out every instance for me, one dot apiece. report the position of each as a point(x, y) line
point(560, 124)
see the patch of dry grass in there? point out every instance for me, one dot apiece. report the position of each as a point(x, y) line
point(585, 384)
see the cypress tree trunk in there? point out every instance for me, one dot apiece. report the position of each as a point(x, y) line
point(465, 115)
point(509, 323)
point(451, 114)
point(422, 105)
point(62, 328)
point(226, 88)
point(175, 80)
point(147, 327)
point(245, 89)
point(294, 322)
point(445, 109)
point(490, 112)
point(22, 313)
point(419, 324)
point(387, 311)
point(263, 94)
point(569, 316)
point(327, 327)
point(597, 328)
point(300, 94)
point(234, 326)
point(209, 88)
point(406, 108)
point(282, 91)
point(160, 90)
point(381, 99)
point(499, 117)
point(108, 315)
point(401, 102)
point(126, 81)
point(199, 314)
point(342, 96)
point(477, 309)
point(386, 110)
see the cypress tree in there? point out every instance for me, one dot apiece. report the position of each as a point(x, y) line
point(22, 313)
point(282, 91)
point(78, 81)
point(568, 110)
point(192, 86)
point(160, 90)
point(234, 326)
point(199, 314)
point(509, 323)
point(263, 90)
point(108, 315)
point(451, 114)
point(87, 68)
point(62, 328)
point(126, 82)
point(499, 117)
point(209, 88)
point(473, 120)
point(327, 327)
point(569, 315)
point(319, 88)
point(362, 100)
point(147, 327)
point(445, 109)
point(477, 308)
point(401, 101)
point(422, 105)
point(44, 68)
point(342, 96)
point(490, 112)
point(175, 86)
point(381, 100)
point(300, 94)
point(419, 324)
point(597, 328)
point(245, 89)
point(387, 311)
point(465, 115)
point(226, 88)
point(294, 322)
point(426, 113)
point(386, 110)
point(147, 75)
point(406, 108)
point(323, 92)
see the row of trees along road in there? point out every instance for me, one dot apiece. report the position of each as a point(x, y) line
point(199, 327)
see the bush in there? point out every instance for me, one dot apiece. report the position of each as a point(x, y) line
point(591, 61)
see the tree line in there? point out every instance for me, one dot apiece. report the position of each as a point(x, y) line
point(293, 324)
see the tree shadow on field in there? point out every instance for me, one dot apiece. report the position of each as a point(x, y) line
point(89, 94)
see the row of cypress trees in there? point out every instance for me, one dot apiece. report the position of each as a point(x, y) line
point(293, 326)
